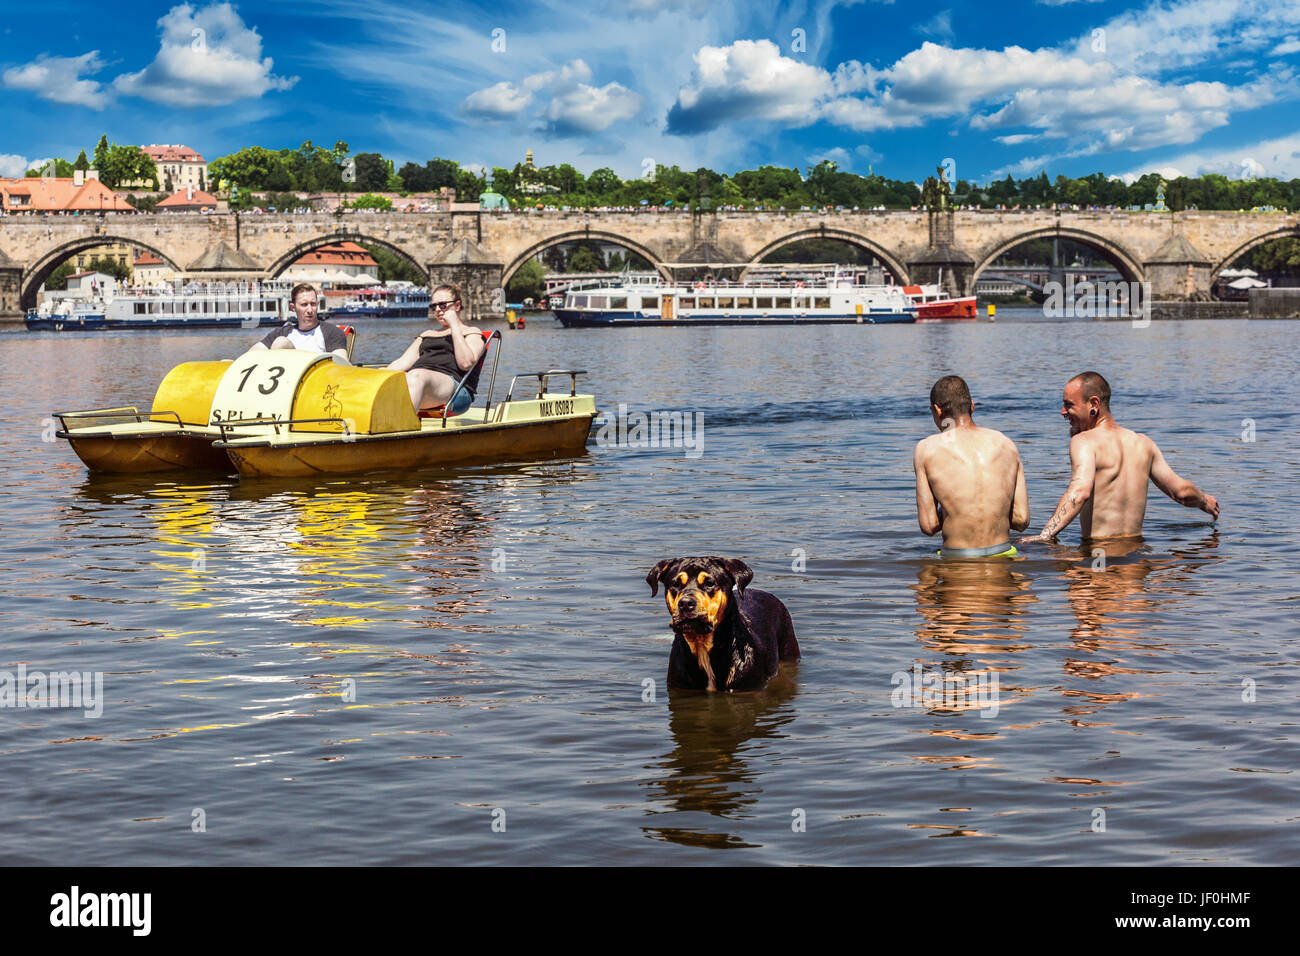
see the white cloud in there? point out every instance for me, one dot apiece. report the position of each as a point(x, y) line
point(751, 80)
point(1278, 158)
point(1289, 45)
point(1016, 138)
point(576, 107)
point(13, 167)
point(58, 79)
point(499, 101)
point(207, 57)
point(938, 26)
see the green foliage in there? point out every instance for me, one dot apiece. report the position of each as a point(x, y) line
point(371, 201)
point(144, 203)
point(585, 259)
point(127, 164)
point(109, 265)
point(372, 171)
point(58, 280)
point(529, 282)
point(392, 266)
point(62, 168)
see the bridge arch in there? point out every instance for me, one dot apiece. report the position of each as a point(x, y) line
point(41, 270)
point(582, 235)
point(892, 262)
point(286, 259)
point(1286, 232)
point(1127, 263)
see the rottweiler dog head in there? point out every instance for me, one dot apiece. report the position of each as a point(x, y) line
point(699, 592)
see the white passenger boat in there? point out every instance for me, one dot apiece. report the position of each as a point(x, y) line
point(170, 305)
point(649, 301)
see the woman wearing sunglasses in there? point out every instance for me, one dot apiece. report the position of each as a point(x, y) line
point(439, 358)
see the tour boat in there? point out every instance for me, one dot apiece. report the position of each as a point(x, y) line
point(291, 413)
point(397, 300)
point(835, 299)
point(169, 305)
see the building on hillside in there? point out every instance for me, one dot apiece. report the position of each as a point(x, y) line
point(38, 195)
point(342, 263)
point(122, 253)
point(179, 166)
point(148, 269)
point(188, 199)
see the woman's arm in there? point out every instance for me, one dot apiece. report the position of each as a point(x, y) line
point(407, 359)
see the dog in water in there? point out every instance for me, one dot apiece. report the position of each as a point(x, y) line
point(727, 636)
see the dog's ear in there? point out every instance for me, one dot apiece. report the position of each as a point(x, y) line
point(740, 573)
point(656, 574)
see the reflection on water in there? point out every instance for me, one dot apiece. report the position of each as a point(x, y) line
point(336, 669)
point(717, 757)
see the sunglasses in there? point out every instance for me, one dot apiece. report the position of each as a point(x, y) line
point(443, 306)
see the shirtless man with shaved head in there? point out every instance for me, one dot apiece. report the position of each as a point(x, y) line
point(1110, 467)
point(969, 481)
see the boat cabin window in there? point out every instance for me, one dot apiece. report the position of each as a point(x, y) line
point(744, 302)
point(781, 302)
point(822, 302)
point(580, 301)
point(599, 302)
point(618, 302)
point(763, 302)
point(688, 302)
point(724, 301)
point(139, 308)
point(706, 302)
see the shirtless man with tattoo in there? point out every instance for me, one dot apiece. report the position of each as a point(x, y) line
point(969, 481)
point(1110, 467)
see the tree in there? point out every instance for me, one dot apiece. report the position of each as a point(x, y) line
point(101, 151)
point(603, 182)
point(58, 280)
point(372, 171)
point(528, 282)
point(109, 265)
point(393, 267)
point(144, 203)
point(584, 259)
point(82, 162)
point(371, 201)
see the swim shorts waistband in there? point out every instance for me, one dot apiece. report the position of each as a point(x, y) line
point(1004, 550)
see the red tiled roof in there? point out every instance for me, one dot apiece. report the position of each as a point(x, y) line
point(148, 259)
point(184, 199)
point(61, 195)
point(171, 154)
point(337, 254)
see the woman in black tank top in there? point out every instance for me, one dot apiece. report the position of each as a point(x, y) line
point(438, 359)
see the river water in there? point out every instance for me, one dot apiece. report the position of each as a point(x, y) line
point(468, 667)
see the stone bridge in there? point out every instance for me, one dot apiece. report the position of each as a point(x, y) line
point(1178, 253)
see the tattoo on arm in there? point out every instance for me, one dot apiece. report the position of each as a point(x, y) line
point(1064, 514)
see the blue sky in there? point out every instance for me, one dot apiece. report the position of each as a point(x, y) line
point(1066, 86)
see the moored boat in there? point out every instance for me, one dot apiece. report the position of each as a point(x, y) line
point(169, 305)
point(397, 300)
point(831, 300)
point(934, 305)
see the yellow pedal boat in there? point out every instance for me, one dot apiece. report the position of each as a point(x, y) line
point(288, 413)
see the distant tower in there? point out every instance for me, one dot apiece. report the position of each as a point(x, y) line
point(528, 159)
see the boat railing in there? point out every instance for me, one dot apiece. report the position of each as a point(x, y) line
point(125, 412)
point(573, 374)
